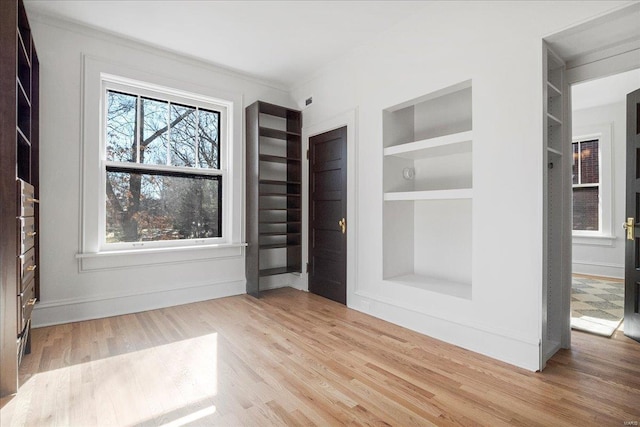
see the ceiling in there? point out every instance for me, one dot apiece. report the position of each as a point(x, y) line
point(280, 41)
point(604, 91)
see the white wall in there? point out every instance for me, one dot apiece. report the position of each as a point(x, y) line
point(605, 257)
point(498, 46)
point(66, 293)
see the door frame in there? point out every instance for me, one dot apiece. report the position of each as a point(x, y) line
point(614, 59)
point(348, 119)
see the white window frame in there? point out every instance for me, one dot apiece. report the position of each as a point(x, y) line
point(92, 254)
point(604, 235)
point(120, 84)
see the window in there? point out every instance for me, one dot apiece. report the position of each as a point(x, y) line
point(586, 185)
point(199, 155)
point(162, 168)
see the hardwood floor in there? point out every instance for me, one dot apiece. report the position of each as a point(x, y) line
point(293, 358)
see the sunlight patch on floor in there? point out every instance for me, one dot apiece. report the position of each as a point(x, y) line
point(173, 384)
point(191, 418)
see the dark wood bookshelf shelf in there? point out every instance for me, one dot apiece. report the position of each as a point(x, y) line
point(22, 139)
point(280, 195)
point(278, 134)
point(277, 182)
point(24, 92)
point(279, 270)
point(280, 222)
point(23, 46)
point(277, 159)
point(280, 245)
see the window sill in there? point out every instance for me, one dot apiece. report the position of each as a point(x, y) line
point(593, 240)
point(106, 260)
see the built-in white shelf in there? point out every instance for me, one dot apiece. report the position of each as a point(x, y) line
point(554, 151)
point(554, 119)
point(553, 90)
point(555, 295)
point(433, 147)
point(433, 284)
point(461, 193)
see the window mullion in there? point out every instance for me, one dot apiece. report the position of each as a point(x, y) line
point(197, 138)
point(138, 128)
point(168, 133)
point(162, 168)
point(579, 162)
point(588, 185)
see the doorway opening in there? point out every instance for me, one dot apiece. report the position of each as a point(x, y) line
point(328, 215)
point(598, 117)
point(602, 47)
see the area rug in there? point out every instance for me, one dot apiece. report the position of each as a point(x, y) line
point(597, 305)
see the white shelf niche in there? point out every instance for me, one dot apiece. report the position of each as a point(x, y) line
point(427, 245)
point(427, 217)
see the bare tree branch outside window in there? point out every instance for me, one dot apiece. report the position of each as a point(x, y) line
point(145, 205)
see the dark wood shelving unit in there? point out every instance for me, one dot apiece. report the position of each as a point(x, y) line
point(19, 189)
point(274, 202)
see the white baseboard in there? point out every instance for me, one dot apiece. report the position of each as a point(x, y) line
point(48, 313)
point(602, 269)
point(501, 346)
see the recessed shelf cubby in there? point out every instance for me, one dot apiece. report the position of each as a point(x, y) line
point(428, 191)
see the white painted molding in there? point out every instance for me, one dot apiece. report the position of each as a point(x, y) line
point(605, 67)
point(497, 343)
point(47, 313)
point(109, 261)
point(599, 264)
point(490, 329)
point(602, 269)
point(593, 240)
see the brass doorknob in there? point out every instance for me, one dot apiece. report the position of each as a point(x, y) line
point(629, 225)
point(343, 225)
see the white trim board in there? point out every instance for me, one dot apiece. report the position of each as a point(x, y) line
point(501, 345)
point(598, 269)
point(49, 313)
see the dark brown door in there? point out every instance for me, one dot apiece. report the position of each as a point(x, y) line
point(328, 215)
point(632, 250)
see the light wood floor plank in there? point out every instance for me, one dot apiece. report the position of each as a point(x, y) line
point(293, 358)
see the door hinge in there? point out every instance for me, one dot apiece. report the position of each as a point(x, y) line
point(307, 154)
point(307, 267)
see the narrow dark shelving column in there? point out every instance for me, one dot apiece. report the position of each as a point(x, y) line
point(19, 192)
point(274, 183)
